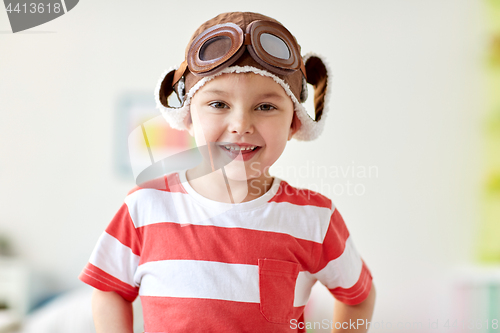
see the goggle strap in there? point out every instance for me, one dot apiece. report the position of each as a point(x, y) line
point(179, 72)
point(303, 68)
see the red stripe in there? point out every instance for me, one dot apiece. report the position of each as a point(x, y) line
point(300, 196)
point(168, 314)
point(122, 228)
point(168, 183)
point(230, 245)
point(335, 238)
point(101, 280)
point(357, 293)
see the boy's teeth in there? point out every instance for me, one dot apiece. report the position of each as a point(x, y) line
point(240, 148)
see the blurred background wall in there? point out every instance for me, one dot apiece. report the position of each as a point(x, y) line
point(408, 102)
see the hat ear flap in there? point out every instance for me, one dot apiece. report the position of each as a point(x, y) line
point(317, 76)
point(174, 114)
point(166, 88)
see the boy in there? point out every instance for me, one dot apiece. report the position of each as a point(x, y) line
point(224, 246)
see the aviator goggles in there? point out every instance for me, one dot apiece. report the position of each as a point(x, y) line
point(270, 44)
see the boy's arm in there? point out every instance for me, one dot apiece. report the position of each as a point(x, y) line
point(111, 312)
point(345, 315)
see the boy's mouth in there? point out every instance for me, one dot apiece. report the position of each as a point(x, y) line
point(233, 150)
point(242, 149)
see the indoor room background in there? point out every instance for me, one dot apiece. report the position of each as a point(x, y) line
point(410, 153)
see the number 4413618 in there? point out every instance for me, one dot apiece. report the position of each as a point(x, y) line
point(34, 8)
point(472, 324)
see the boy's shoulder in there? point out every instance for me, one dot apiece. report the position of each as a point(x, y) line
point(301, 196)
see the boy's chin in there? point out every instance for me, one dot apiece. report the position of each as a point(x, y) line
point(236, 169)
point(236, 174)
point(239, 174)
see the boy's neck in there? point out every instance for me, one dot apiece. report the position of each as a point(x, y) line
point(217, 187)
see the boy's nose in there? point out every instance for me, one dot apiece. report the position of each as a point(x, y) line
point(241, 122)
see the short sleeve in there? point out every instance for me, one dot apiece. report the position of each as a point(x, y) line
point(115, 258)
point(340, 268)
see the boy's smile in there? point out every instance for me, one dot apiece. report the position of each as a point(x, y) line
point(245, 120)
point(235, 149)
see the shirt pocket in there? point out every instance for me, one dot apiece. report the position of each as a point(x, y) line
point(277, 280)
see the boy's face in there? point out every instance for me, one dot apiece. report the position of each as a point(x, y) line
point(235, 111)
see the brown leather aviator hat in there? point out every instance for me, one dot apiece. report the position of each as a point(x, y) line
point(246, 42)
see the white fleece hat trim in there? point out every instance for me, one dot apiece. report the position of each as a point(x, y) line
point(309, 129)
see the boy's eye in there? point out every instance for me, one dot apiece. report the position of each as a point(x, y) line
point(218, 105)
point(266, 107)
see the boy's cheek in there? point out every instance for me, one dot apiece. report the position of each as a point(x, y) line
point(200, 138)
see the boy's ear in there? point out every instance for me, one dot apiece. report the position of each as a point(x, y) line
point(295, 126)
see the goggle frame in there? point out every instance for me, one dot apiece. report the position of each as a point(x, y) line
point(251, 39)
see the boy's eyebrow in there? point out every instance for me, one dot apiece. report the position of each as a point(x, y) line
point(214, 91)
point(222, 92)
point(271, 95)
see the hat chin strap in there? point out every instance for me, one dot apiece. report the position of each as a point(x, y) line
point(309, 129)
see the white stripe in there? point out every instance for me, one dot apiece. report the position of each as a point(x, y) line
point(188, 278)
point(344, 271)
point(122, 268)
point(64, 6)
point(230, 282)
point(303, 286)
point(149, 206)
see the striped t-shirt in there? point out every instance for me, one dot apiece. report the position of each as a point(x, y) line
point(204, 266)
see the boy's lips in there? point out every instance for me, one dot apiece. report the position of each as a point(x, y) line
point(234, 149)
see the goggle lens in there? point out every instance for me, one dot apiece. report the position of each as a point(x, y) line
point(275, 46)
point(215, 48)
